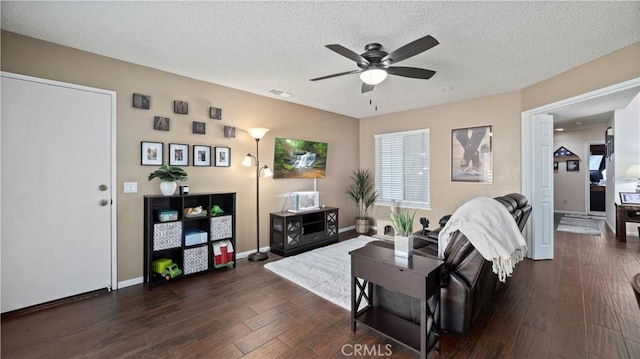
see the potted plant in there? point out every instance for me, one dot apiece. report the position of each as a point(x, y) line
point(402, 222)
point(168, 176)
point(362, 191)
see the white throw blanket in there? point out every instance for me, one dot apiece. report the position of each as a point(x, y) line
point(491, 229)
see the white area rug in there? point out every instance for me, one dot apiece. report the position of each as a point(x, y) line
point(581, 224)
point(324, 271)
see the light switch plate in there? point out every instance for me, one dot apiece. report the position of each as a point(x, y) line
point(131, 187)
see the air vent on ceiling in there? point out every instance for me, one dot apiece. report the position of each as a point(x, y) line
point(279, 93)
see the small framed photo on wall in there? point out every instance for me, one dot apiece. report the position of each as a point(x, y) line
point(141, 101)
point(199, 127)
point(178, 154)
point(223, 156)
point(161, 123)
point(573, 165)
point(555, 166)
point(151, 153)
point(201, 155)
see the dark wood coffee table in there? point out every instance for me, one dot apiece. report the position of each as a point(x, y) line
point(418, 277)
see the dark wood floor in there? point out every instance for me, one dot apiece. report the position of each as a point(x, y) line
point(579, 305)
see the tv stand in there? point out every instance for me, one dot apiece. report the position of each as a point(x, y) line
point(296, 232)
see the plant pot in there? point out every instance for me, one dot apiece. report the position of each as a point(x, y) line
point(362, 225)
point(403, 246)
point(168, 188)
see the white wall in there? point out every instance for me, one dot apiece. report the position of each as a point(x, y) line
point(570, 188)
point(626, 131)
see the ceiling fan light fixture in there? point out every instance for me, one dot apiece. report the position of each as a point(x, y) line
point(373, 76)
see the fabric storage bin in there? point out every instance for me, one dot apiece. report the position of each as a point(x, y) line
point(196, 260)
point(221, 227)
point(167, 235)
point(194, 236)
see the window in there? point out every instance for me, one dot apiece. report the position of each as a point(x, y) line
point(402, 168)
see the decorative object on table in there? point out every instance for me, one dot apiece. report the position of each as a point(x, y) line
point(181, 107)
point(573, 165)
point(215, 113)
point(151, 153)
point(257, 133)
point(402, 222)
point(472, 154)
point(223, 156)
point(194, 212)
point(168, 176)
point(630, 198)
point(201, 155)
point(141, 101)
point(362, 191)
point(633, 172)
point(229, 132)
point(184, 189)
point(178, 154)
point(199, 128)
point(160, 123)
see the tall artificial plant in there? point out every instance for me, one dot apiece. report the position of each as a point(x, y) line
point(362, 191)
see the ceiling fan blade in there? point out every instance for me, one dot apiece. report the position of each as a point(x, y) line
point(412, 72)
point(347, 53)
point(367, 87)
point(336, 75)
point(411, 49)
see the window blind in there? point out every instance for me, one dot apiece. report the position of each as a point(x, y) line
point(402, 168)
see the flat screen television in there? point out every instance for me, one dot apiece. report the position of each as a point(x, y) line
point(295, 158)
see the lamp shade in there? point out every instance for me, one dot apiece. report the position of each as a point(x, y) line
point(633, 171)
point(267, 171)
point(247, 160)
point(373, 76)
point(258, 132)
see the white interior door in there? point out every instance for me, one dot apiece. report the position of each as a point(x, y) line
point(541, 246)
point(57, 236)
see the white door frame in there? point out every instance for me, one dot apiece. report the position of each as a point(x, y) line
point(114, 192)
point(527, 139)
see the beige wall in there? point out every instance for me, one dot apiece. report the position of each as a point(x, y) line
point(501, 111)
point(32, 57)
point(570, 188)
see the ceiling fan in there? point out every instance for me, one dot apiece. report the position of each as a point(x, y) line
point(375, 63)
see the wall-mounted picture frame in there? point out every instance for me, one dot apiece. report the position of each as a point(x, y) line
point(199, 128)
point(215, 113)
point(181, 107)
point(573, 165)
point(229, 132)
point(630, 198)
point(141, 101)
point(160, 123)
point(178, 154)
point(608, 140)
point(472, 154)
point(151, 153)
point(555, 165)
point(223, 157)
point(201, 155)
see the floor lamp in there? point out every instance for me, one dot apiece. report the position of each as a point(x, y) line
point(257, 134)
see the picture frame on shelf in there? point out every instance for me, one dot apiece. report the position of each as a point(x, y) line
point(573, 165)
point(178, 154)
point(201, 156)
point(630, 198)
point(472, 154)
point(151, 153)
point(223, 157)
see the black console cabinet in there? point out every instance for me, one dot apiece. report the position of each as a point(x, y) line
point(296, 232)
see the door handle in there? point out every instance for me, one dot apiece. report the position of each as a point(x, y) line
point(103, 187)
point(104, 202)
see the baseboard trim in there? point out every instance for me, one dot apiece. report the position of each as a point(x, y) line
point(347, 229)
point(130, 282)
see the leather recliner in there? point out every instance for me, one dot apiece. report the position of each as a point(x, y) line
point(467, 283)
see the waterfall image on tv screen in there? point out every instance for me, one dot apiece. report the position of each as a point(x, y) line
point(299, 159)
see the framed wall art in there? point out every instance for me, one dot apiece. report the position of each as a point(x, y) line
point(181, 107)
point(141, 101)
point(472, 154)
point(151, 153)
point(573, 165)
point(199, 128)
point(223, 157)
point(178, 154)
point(160, 123)
point(630, 198)
point(215, 113)
point(201, 155)
point(555, 166)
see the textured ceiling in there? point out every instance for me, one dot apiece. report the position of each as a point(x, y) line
point(485, 47)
